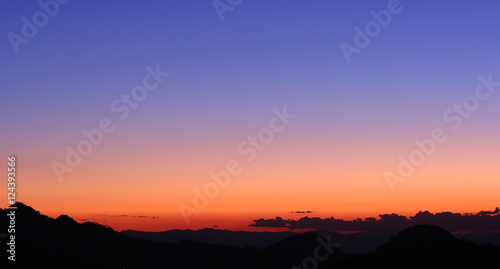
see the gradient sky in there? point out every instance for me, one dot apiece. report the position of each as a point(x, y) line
point(352, 121)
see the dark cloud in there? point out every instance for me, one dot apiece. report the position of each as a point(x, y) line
point(129, 216)
point(301, 212)
point(277, 222)
point(482, 221)
point(482, 213)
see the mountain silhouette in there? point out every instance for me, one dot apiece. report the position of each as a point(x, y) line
point(208, 235)
point(427, 246)
point(355, 243)
point(44, 242)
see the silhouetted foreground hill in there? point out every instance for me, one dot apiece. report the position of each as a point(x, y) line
point(43, 242)
point(427, 246)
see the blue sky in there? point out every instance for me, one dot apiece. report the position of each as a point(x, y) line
point(263, 53)
point(226, 76)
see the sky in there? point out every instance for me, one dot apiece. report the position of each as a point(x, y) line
point(306, 106)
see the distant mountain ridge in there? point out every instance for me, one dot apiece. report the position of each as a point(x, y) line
point(208, 235)
point(356, 243)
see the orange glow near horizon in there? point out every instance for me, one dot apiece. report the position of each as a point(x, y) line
point(285, 177)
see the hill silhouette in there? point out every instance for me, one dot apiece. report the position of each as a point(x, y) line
point(208, 235)
point(427, 246)
point(355, 243)
point(44, 242)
